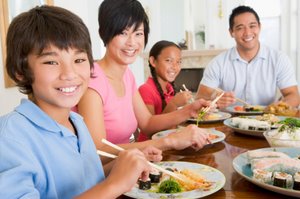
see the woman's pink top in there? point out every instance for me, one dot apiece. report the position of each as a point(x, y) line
point(119, 118)
point(151, 96)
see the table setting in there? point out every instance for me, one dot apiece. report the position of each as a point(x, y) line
point(227, 156)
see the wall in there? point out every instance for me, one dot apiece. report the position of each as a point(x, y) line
point(8, 97)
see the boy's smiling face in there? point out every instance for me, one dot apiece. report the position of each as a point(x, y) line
point(60, 77)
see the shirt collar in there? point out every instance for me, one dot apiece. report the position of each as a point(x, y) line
point(33, 113)
point(170, 90)
point(262, 54)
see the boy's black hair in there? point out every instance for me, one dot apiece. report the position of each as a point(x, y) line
point(35, 30)
point(115, 16)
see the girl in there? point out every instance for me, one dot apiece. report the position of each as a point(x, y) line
point(158, 92)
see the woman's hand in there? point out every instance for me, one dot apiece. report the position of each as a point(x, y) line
point(196, 106)
point(190, 136)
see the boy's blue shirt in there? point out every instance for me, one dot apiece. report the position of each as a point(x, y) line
point(40, 158)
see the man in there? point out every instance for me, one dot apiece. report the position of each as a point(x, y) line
point(250, 71)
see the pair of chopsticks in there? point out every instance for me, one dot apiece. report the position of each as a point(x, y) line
point(185, 88)
point(206, 109)
point(104, 141)
point(203, 111)
point(237, 99)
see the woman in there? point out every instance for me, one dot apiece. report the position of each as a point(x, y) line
point(112, 106)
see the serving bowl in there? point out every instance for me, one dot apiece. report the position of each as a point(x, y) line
point(283, 138)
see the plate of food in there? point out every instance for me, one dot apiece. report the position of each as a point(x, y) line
point(254, 125)
point(200, 181)
point(211, 117)
point(214, 135)
point(275, 169)
point(245, 110)
point(281, 108)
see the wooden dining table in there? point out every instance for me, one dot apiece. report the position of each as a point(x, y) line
point(220, 156)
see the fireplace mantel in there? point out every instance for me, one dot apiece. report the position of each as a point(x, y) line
point(190, 59)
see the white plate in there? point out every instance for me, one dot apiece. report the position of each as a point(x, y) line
point(247, 132)
point(209, 173)
point(220, 117)
point(231, 109)
point(221, 136)
point(242, 167)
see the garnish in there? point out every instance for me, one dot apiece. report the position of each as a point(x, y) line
point(289, 125)
point(200, 116)
point(169, 186)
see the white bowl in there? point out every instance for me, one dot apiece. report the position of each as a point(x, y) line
point(282, 139)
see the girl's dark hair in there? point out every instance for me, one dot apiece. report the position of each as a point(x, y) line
point(241, 10)
point(115, 16)
point(35, 30)
point(155, 52)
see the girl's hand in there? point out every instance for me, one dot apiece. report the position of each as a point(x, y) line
point(182, 98)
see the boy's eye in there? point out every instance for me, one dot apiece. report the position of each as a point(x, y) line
point(50, 62)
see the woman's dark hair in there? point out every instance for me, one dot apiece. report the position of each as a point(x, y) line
point(35, 30)
point(155, 52)
point(115, 16)
point(241, 10)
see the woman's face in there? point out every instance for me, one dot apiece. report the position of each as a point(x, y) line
point(125, 47)
point(60, 77)
point(168, 63)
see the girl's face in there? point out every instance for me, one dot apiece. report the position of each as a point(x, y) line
point(125, 47)
point(168, 64)
point(60, 77)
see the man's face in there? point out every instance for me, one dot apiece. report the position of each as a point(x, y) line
point(246, 31)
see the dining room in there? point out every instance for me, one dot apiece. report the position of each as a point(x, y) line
point(252, 149)
point(279, 27)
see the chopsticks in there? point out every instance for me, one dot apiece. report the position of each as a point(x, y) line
point(185, 88)
point(237, 99)
point(206, 109)
point(104, 141)
point(191, 100)
point(203, 111)
point(183, 85)
point(103, 153)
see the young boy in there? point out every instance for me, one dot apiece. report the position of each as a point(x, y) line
point(45, 150)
